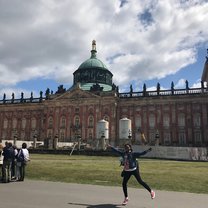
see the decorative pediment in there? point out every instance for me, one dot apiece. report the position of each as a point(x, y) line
point(76, 94)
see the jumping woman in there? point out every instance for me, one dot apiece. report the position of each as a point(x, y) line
point(131, 167)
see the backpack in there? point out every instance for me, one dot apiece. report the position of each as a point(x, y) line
point(20, 156)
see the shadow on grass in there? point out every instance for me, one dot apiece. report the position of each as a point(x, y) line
point(98, 205)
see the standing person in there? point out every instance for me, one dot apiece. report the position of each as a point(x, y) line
point(131, 167)
point(8, 153)
point(14, 163)
point(22, 158)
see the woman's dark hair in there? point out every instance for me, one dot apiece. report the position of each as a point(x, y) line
point(24, 145)
point(129, 146)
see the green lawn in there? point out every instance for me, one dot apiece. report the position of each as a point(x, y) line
point(158, 174)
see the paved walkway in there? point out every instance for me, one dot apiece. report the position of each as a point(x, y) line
point(39, 194)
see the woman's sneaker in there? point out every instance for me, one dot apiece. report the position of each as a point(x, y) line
point(152, 194)
point(125, 201)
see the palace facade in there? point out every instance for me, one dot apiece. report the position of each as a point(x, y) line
point(174, 117)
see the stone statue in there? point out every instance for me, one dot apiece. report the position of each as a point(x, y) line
point(47, 93)
point(187, 84)
point(94, 45)
point(158, 88)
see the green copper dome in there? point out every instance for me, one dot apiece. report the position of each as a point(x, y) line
point(93, 61)
point(93, 74)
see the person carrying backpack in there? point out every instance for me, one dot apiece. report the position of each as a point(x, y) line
point(22, 159)
point(8, 153)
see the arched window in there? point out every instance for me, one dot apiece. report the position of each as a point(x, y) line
point(63, 122)
point(91, 121)
point(33, 123)
point(181, 120)
point(14, 123)
point(166, 120)
point(5, 123)
point(138, 121)
point(24, 121)
point(152, 120)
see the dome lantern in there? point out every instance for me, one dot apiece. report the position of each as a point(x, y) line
point(93, 51)
point(94, 45)
point(93, 74)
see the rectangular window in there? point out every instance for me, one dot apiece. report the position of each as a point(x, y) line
point(152, 121)
point(167, 139)
point(166, 121)
point(138, 122)
point(62, 136)
point(181, 120)
point(197, 120)
point(182, 138)
point(63, 122)
point(197, 137)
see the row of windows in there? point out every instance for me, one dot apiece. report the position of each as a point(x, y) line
point(77, 122)
point(23, 123)
point(50, 122)
point(166, 120)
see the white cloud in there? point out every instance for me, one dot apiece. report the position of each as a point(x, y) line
point(50, 38)
point(180, 84)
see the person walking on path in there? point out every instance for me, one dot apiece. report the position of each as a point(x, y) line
point(131, 167)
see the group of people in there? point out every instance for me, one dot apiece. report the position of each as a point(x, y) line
point(14, 162)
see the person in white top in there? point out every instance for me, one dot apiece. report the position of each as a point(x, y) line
point(25, 153)
point(14, 163)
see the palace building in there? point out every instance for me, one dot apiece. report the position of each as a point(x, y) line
point(174, 117)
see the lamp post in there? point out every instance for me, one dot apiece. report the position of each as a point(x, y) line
point(157, 137)
point(129, 136)
point(79, 141)
point(15, 137)
point(103, 141)
point(55, 142)
point(35, 141)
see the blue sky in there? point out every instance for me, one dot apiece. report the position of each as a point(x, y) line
point(43, 42)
